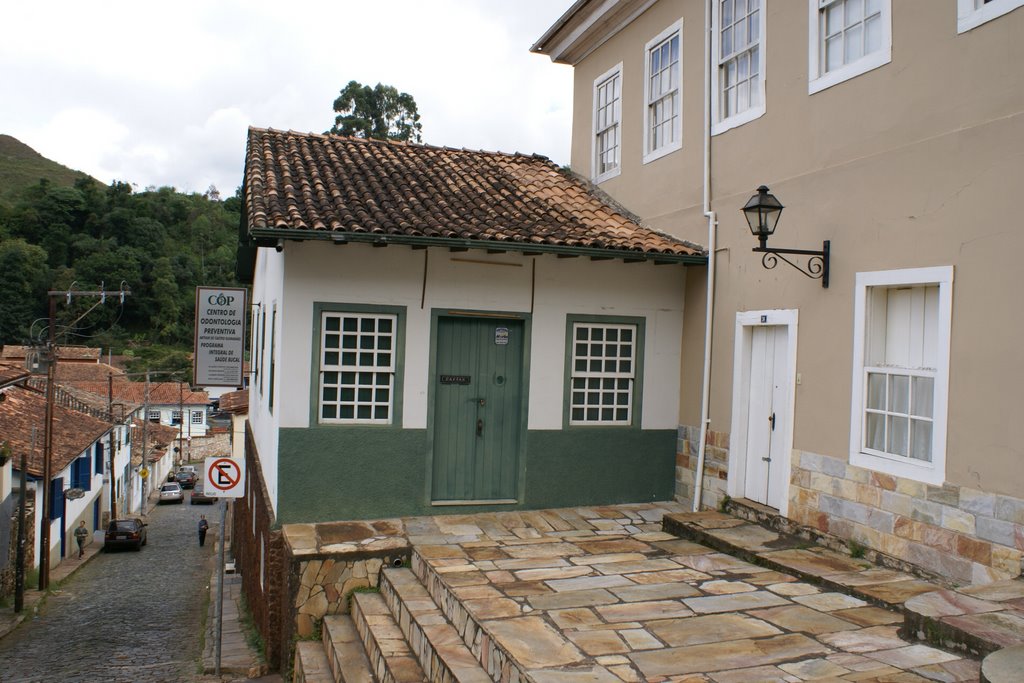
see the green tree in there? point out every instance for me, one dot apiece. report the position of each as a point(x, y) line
point(379, 113)
point(23, 296)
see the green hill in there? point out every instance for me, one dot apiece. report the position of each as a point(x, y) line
point(21, 166)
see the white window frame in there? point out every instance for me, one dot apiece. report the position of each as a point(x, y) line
point(600, 177)
point(973, 13)
point(154, 416)
point(602, 374)
point(176, 417)
point(719, 123)
point(818, 80)
point(933, 472)
point(673, 31)
point(341, 367)
point(197, 417)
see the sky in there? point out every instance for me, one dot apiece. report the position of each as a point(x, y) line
point(161, 93)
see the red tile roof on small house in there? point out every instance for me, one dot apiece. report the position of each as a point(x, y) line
point(24, 409)
point(70, 354)
point(307, 186)
point(94, 372)
point(11, 373)
point(160, 393)
point(236, 402)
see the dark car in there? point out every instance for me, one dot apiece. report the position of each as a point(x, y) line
point(199, 497)
point(185, 479)
point(125, 533)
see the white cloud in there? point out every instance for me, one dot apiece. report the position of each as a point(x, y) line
point(161, 94)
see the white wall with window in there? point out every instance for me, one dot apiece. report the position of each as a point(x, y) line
point(738, 46)
point(973, 13)
point(901, 372)
point(663, 127)
point(847, 38)
point(607, 138)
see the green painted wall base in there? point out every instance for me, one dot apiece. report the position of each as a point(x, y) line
point(330, 474)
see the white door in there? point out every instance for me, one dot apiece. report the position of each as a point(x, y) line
point(767, 404)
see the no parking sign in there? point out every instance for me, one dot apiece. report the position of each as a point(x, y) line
point(224, 477)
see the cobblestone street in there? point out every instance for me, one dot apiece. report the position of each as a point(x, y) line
point(125, 616)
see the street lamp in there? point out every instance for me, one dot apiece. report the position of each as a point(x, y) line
point(762, 212)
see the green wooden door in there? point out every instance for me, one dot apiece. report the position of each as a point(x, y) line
point(478, 383)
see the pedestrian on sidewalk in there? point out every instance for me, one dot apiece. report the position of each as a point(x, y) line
point(81, 533)
point(203, 527)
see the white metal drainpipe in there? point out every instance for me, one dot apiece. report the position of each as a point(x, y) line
point(705, 418)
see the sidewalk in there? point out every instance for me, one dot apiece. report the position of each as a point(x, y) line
point(237, 661)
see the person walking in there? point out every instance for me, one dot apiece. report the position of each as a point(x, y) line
point(203, 527)
point(81, 533)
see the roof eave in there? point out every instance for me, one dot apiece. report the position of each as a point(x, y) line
point(586, 26)
point(263, 235)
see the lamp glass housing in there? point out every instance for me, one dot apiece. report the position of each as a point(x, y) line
point(762, 212)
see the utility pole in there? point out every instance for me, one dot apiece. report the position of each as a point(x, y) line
point(115, 445)
point(51, 352)
point(143, 470)
point(181, 422)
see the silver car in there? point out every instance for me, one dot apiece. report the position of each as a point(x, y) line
point(171, 493)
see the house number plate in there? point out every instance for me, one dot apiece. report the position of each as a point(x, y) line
point(456, 379)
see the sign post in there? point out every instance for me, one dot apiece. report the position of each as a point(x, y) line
point(223, 477)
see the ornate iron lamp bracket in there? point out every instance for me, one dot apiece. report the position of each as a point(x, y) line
point(815, 268)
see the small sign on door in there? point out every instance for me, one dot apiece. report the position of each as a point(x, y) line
point(501, 336)
point(456, 379)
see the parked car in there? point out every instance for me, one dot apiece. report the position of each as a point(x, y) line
point(125, 533)
point(199, 497)
point(188, 468)
point(171, 493)
point(185, 479)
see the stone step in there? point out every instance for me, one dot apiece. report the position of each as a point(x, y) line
point(344, 648)
point(389, 655)
point(441, 652)
point(497, 662)
point(311, 665)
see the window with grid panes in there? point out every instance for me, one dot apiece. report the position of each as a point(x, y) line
point(901, 354)
point(850, 29)
point(197, 417)
point(739, 56)
point(899, 371)
point(973, 13)
point(154, 416)
point(175, 417)
point(607, 115)
point(357, 367)
point(603, 373)
point(664, 118)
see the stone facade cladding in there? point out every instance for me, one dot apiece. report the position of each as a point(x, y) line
point(963, 534)
point(716, 465)
point(253, 520)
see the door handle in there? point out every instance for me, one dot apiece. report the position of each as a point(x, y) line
point(479, 427)
point(480, 401)
point(772, 421)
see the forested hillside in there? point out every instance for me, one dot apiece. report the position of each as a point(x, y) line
point(160, 243)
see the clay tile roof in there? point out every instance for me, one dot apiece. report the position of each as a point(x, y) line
point(11, 373)
point(94, 372)
point(235, 402)
point(73, 432)
point(160, 393)
point(404, 192)
point(67, 353)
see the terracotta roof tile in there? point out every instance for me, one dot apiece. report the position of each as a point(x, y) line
point(73, 432)
point(160, 393)
point(68, 353)
point(308, 182)
point(11, 373)
point(235, 402)
point(95, 372)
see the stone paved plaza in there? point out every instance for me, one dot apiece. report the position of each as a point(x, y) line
point(603, 594)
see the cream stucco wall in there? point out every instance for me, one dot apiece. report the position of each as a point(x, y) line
point(917, 163)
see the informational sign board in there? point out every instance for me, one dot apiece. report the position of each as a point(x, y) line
point(224, 477)
point(220, 336)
